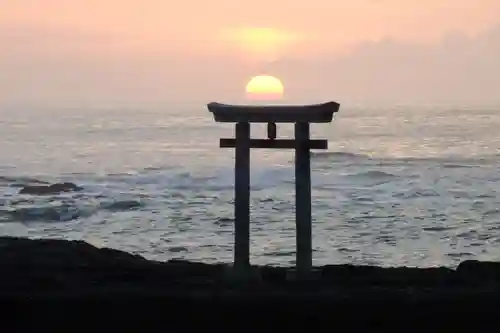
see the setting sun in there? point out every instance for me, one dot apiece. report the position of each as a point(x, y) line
point(264, 87)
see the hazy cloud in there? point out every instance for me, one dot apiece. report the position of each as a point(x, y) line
point(65, 66)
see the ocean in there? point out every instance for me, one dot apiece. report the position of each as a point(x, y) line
point(400, 186)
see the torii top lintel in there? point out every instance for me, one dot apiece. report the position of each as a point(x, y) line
point(312, 113)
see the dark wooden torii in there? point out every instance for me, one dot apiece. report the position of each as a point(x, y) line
point(301, 116)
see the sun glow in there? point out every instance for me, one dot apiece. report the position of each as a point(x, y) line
point(262, 43)
point(264, 87)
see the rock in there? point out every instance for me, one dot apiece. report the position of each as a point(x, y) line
point(51, 265)
point(481, 272)
point(124, 288)
point(50, 189)
point(81, 264)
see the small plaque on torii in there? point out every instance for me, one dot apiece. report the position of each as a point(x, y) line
point(301, 116)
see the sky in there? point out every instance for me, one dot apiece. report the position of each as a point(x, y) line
point(65, 52)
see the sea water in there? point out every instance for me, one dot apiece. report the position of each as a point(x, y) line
point(397, 186)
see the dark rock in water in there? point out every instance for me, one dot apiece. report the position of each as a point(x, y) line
point(121, 205)
point(55, 276)
point(50, 189)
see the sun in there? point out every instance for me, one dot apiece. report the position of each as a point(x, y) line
point(264, 87)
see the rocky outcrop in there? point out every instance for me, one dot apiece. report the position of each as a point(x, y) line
point(55, 272)
point(49, 189)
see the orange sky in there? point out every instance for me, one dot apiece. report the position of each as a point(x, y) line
point(121, 50)
point(194, 24)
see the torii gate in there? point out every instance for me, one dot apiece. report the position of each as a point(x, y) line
point(302, 116)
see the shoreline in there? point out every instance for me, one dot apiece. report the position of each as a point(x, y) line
point(56, 273)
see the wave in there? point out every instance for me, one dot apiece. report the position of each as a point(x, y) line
point(456, 166)
point(20, 181)
point(124, 205)
point(373, 174)
point(338, 155)
point(416, 193)
point(448, 162)
point(64, 212)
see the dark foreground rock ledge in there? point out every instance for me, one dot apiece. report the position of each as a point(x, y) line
point(57, 273)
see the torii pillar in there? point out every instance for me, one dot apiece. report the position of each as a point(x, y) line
point(301, 116)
